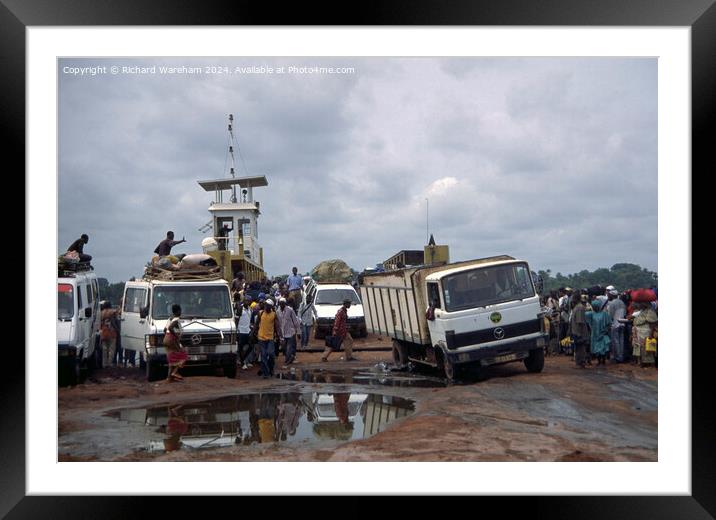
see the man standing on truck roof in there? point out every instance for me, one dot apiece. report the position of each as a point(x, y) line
point(165, 246)
point(341, 334)
point(295, 284)
point(78, 246)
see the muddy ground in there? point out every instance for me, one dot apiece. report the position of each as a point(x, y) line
point(561, 414)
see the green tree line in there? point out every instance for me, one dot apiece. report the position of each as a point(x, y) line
point(110, 291)
point(622, 276)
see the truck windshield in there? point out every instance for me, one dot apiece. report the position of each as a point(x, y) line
point(196, 302)
point(65, 301)
point(336, 297)
point(487, 286)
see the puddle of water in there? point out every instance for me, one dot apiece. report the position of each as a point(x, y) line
point(361, 377)
point(245, 420)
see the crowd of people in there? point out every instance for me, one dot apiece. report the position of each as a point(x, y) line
point(598, 324)
point(266, 329)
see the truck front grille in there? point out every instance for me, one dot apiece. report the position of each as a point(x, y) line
point(487, 335)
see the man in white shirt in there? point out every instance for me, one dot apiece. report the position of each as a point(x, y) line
point(244, 322)
point(617, 311)
point(289, 326)
point(305, 316)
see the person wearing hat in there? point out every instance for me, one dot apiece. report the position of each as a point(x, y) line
point(340, 332)
point(617, 312)
point(267, 331)
point(289, 326)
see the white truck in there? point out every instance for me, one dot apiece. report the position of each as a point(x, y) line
point(77, 322)
point(457, 316)
point(207, 320)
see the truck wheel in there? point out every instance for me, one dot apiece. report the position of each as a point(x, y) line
point(535, 361)
point(154, 370)
point(74, 372)
point(400, 356)
point(449, 370)
point(230, 370)
point(84, 370)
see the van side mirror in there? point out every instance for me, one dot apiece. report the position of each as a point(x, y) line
point(88, 312)
point(144, 312)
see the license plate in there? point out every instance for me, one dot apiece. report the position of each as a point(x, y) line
point(463, 357)
point(506, 357)
point(200, 357)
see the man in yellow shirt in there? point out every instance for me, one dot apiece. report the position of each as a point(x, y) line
point(267, 332)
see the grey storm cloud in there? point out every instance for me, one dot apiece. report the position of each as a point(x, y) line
point(550, 159)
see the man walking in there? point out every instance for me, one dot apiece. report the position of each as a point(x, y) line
point(267, 331)
point(289, 326)
point(341, 334)
point(78, 246)
point(165, 246)
point(295, 284)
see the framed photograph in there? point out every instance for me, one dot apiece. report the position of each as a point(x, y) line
point(413, 181)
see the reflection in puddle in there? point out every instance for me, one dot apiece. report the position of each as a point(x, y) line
point(361, 377)
point(267, 418)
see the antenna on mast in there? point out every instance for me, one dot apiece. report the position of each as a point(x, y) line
point(231, 153)
point(427, 220)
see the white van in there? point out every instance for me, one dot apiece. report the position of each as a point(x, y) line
point(327, 298)
point(209, 330)
point(77, 323)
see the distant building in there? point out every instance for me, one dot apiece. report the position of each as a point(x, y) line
point(430, 254)
point(404, 258)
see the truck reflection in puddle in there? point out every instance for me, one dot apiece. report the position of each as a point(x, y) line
point(315, 418)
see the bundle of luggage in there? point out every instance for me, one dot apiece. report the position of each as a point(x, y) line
point(173, 267)
point(332, 271)
point(70, 262)
point(643, 295)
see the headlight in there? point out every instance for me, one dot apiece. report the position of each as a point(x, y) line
point(155, 340)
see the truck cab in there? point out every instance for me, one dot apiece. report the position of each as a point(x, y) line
point(77, 323)
point(207, 320)
point(489, 314)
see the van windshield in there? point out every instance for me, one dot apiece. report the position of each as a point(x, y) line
point(65, 301)
point(487, 286)
point(336, 297)
point(196, 302)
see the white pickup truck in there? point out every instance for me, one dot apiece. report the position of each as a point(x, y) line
point(209, 330)
point(456, 316)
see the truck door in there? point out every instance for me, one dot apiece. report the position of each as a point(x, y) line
point(437, 331)
point(83, 324)
point(134, 327)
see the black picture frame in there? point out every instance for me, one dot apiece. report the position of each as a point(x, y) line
point(700, 16)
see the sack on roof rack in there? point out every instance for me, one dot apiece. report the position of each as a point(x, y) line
point(154, 272)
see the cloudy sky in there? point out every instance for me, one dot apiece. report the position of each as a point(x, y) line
point(552, 160)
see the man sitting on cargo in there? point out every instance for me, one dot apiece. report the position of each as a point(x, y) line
point(165, 246)
point(78, 245)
